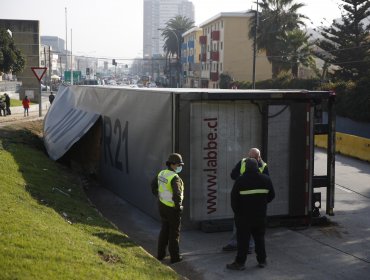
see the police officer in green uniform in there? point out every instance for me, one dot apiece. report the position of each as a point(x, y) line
point(169, 188)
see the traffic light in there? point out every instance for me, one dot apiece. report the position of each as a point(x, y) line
point(114, 62)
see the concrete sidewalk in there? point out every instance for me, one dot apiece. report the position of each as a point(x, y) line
point(309, 253)
point(18, 111)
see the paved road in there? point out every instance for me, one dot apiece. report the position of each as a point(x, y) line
point(339, 251)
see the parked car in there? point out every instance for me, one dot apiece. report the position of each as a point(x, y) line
point(45, 88)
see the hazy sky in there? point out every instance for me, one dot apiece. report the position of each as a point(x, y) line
point(113, 28)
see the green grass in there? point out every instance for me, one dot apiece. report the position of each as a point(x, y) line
point(16, 102)
point(49, 233)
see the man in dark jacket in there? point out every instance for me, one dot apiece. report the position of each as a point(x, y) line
point(237, 171)
point(7, 104)
point(169, 188)
point(249, 197)
point(51, 97)
point(253, 153)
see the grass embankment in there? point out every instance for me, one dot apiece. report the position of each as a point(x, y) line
point(16, 102)
point(48, 229)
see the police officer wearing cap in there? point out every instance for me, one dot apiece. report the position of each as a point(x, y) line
point(169, 188)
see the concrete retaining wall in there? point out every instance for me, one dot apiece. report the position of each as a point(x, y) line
point(347, 144)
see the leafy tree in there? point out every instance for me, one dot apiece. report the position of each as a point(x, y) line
point(276, 19)
point(346, 43)
point(225, 80)
point(11, 58)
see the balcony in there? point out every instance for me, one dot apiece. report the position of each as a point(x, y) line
point(215, 56)
point(215, 35)
point(203, 57)
point(214, 76)
point(203, 40)
point(204, 74)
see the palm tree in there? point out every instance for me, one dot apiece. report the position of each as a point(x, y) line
point(276, 19)
point(297, 50)
point(172, 34)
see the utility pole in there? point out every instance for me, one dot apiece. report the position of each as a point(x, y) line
point(45, 65)
point(50, 67)
point(71, 61)
point(255, 48)
point(61, 67)
point(66, 43)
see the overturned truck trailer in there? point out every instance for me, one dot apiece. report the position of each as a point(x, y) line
point(213, 130)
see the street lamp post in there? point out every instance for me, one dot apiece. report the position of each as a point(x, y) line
point(255, 48)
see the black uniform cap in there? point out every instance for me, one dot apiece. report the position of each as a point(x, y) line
point(175, 159)
point(251, 165)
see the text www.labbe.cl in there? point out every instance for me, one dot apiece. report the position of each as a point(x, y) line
point(210, 163)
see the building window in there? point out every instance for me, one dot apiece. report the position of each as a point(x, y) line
point(221, 45)
point(220, 66)
point(222, 24)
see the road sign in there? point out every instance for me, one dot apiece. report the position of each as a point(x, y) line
point(76, 76)
point(39, 72)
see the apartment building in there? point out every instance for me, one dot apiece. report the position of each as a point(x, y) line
point(190, 51)
point(156, 14)
point(226, 48)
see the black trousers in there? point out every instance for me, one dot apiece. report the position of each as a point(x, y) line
point(245, 228)
point(170, 232)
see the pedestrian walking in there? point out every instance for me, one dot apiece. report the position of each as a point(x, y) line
point(51, 97)
point(2, 107)
point(7, 104)
point(169, 188)
point(249, 198)
point(237, 171)
point(26, 105)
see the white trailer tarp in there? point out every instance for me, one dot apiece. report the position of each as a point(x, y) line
point(65, 124)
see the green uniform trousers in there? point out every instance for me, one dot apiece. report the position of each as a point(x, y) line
point(170, 231)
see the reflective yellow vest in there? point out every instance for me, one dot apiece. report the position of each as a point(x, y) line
point(242, 166)
point(165, 191)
